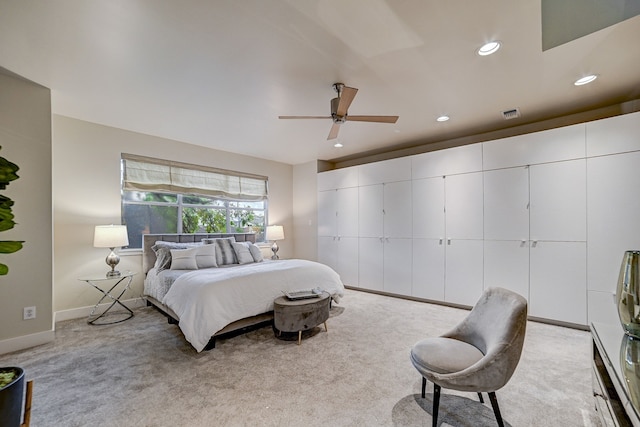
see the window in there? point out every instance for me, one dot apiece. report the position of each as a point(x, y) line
point(162, 196)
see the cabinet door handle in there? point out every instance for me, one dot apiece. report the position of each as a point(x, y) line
point(523, 243)
point(534, 243)
point(448, 241)
point(440, 240)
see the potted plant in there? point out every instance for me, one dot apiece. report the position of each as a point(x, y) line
point(11, 378)
point(7, 174)
point(11, 394)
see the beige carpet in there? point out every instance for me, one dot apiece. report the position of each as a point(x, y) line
point(143, 373)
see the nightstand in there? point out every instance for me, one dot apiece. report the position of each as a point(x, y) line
point(99, 282)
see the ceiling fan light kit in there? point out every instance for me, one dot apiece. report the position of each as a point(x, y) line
point(339, 111)
point(585, 80)
point(489, 48)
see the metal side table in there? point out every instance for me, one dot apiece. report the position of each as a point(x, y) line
point(124, 280)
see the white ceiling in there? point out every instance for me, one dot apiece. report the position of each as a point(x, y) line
point(219, 73)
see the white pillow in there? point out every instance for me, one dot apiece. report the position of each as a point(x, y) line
point(184, 259)
point(206, 256)
point(242, 253)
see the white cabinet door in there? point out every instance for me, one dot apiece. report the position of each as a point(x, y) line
point(347, 212)
point(428, 208)
point(506, 204)
point(558, 280)
point(613, 135)
point(463, 271)
point(506, 265)
point(558, 195)
point(347, 263)
point(338, 178)
point(370, 211)
point(371, 269)
point(327, 213)
point(464, 206)
point(428, 269)
point(456, 160)
point(341, 254)
point(565, 143)
point(613, 211)
point(385, 171)
point(397, 209)
point(327, 253)
point(397, 266)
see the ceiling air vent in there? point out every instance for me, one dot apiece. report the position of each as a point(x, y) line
point(511, 114)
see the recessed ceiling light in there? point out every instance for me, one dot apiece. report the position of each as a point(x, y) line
point(338, 145)
point(442, 118)
point(586, 79)
point(489, 48)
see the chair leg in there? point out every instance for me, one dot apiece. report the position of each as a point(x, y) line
point(480, 397)
point(424, 386)
point(436, 404)
point(496, 409)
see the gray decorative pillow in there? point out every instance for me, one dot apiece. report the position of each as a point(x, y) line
point(225, 255)
point(242, 253)
point(162, 250)
point(184, 259)
point(163, 259)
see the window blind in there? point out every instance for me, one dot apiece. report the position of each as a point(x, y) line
point(141, 173)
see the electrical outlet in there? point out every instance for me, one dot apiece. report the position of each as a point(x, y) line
point(28, 313)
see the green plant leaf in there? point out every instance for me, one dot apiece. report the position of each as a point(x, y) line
point(3, 270)
point(5, 203)
point(9, 247)
point(6, 224)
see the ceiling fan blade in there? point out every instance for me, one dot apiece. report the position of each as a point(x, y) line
point(346, 98)
point(333, 133)
point(376, 119)
point(304, 117)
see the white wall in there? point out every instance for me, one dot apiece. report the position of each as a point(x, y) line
point(305, 210)
point(25, 137)
point(86, 192)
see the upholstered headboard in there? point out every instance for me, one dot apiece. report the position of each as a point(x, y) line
point(148, 240)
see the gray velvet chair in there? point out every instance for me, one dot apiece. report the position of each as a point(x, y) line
point(480, 354)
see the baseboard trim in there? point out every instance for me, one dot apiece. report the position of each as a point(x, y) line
point(26, 341)
point(80, 312)
point(465, 307)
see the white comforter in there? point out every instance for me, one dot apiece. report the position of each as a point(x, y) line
point(209, 299)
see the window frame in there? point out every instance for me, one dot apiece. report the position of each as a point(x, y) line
point(218, 202)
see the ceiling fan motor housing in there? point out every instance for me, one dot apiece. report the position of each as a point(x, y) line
point(334, 114)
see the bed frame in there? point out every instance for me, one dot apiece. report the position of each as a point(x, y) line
point(232, 329)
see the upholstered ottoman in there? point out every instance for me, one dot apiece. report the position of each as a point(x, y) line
point(300, 315)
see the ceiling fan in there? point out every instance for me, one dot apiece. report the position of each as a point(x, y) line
point(339, 107)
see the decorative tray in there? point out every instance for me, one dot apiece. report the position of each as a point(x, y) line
point(303, 294)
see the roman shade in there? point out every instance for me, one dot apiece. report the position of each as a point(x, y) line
point(141, 173)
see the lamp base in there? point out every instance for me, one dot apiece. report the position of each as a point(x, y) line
point(113, 273)
point(112, 260)
point(274, 249)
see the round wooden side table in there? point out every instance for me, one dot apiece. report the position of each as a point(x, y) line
point(300, 315)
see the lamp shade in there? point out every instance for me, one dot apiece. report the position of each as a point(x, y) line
point(110, 236)
point(275, 232)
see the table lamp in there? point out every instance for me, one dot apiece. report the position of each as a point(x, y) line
point(111, 236)
point(275, 232)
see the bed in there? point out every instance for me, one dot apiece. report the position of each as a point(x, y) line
point(218, 285)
